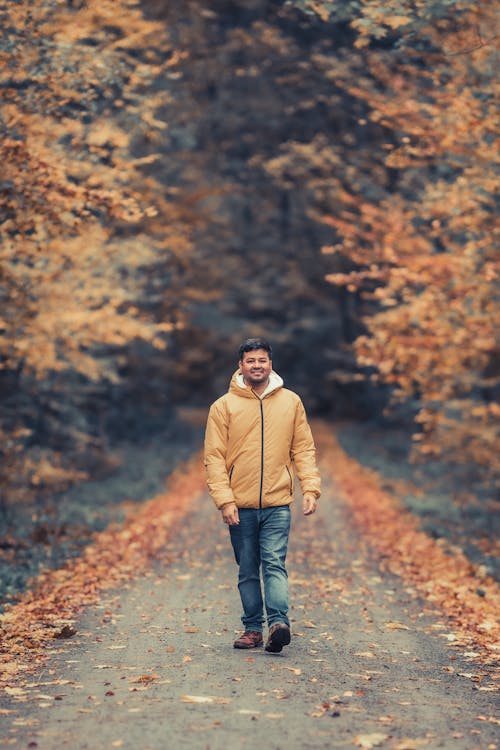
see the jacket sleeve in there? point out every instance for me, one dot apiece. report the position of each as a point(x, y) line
point(215, 456)
point(303, 454)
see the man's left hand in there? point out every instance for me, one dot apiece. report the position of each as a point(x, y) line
point(309, 503)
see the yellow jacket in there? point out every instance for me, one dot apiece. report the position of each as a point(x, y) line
point(252, 445)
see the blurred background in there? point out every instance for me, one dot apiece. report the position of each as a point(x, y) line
point(179, 176)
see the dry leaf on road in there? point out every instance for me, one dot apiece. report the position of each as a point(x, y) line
point(367, 741)
point(197, 699)
point(409, 743)
point(396, 626)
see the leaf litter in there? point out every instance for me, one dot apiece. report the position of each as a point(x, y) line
point(440, 573)
point(47, 611)
point(315, 591)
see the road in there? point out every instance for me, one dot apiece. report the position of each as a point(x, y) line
point(152, 666)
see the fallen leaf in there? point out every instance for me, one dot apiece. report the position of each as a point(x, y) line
point(409, 743)
point(10, 667)
point(295, 670)
point(145, 678)
point(67, 631)
point(396, 626)
point(197, 699)
point(368, 741)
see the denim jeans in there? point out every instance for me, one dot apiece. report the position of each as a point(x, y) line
point(260, 540)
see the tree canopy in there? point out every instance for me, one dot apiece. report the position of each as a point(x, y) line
point(177, 176)
point(427, 251)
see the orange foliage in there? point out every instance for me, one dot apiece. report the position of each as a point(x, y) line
point(426, 254)
point(64, 180)
point(73, 290)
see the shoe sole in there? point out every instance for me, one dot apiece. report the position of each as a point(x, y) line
point(255, 645)
point(281, 637)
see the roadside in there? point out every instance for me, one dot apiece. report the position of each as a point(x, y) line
point(448, 504)
point(151, 664)
point(37, 537)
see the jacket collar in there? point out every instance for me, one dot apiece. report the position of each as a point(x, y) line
point(238, 385)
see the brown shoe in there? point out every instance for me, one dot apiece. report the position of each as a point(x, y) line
point(279, 636)
point(249, 639)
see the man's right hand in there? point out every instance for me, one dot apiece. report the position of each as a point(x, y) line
point(230, 514)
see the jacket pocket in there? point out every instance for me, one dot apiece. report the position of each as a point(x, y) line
point(290, 479)
point(231, 474)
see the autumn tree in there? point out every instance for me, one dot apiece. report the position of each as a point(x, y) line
point(247, 86)
point(171, 173)
point(422, 252)
point(82, 228)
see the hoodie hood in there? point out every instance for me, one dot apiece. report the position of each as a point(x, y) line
point(238, 385)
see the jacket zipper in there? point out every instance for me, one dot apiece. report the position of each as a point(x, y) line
point(261, 452)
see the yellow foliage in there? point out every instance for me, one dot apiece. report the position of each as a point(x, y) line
point(73, 289)
point(427, 254)
point(396, 22)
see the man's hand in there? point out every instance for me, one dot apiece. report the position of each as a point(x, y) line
point(309, 503)
point(230, 514)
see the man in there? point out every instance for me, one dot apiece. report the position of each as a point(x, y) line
point(256, 434)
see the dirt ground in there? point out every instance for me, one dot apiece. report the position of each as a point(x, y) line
point(152, 666)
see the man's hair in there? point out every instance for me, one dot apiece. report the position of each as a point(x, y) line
point(251, 345)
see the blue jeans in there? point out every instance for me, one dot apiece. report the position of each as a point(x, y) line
point(261, 540)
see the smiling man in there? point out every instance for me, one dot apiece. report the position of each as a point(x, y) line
point(257, 438)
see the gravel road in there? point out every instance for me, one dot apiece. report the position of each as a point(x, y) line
point(152, 667)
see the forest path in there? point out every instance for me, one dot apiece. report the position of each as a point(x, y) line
point(152, 665)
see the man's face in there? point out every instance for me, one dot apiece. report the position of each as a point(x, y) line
point(255, 367)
